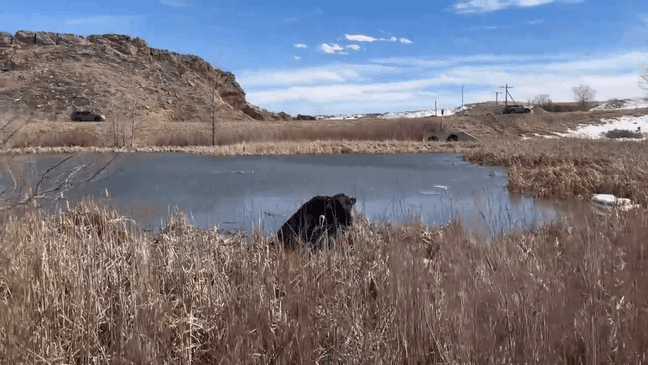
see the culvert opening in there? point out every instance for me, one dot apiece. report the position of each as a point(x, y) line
point(453, 138)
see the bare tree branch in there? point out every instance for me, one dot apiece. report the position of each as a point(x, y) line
point(64, 181)
point(643, 83)
point(584, 93)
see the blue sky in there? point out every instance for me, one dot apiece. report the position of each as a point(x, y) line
point(365, 56)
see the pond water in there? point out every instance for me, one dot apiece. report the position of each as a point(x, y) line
point(262, 192)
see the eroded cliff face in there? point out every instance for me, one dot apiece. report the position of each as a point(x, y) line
point(119, 76)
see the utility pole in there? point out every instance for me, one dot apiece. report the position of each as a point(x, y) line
point(435, 108)
point(506, 87)
point(496, 93)
point(462, 106)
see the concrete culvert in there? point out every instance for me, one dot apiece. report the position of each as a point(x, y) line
point(433, 138)
point(452, 138)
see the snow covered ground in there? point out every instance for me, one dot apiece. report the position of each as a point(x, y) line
point(393, 115)
point(597, 131)
point(613, 104)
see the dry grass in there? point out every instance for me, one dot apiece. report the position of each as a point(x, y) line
point(622, 133)
point(230, 132)
point(567, 168)
point(276, 148)
point(83, 287)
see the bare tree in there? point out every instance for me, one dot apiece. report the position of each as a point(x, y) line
point(643, 83)
point(584, 93)
point(541, 99)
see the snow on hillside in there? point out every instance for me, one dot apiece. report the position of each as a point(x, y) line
point(392, 115)
point(598, 131)
point(629, 123)
point(634, 103)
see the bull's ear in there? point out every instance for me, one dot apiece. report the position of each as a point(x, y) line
point(353, 201)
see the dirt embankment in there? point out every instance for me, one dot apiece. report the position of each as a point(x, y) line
point(51, 74)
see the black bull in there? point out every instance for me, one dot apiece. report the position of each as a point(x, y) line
point(317, 218)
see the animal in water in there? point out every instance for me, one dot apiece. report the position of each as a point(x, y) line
point(320, 218)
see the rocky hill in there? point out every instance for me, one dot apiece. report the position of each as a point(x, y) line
point(53, 74)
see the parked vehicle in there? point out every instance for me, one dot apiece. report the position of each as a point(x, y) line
point(517, 109)
point(86, 116)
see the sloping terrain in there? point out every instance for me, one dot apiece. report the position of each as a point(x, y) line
point(51, 74)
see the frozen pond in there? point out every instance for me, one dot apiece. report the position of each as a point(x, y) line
point(246, 192)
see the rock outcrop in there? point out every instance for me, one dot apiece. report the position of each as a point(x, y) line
point(54, 73)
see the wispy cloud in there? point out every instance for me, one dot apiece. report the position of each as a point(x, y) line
point(297, 57)
point(475, 6)
point(300, 76)
point(330, 48)
point(360, 38)
point(355, 90)
point(293, 19)
point(366, 38)
point(336, 73)
point(611, 62)
point(300, 45)
point(354, 47)
point(174, 3)
point(534, 22)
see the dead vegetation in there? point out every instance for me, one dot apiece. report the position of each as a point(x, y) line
point(85, 287)
point(568, 167)
point(622, 133)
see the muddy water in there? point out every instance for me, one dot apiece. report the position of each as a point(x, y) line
point(248, 192)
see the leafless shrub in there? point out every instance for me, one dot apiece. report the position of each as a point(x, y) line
point(622, 133)
point(542, 99)
point(52, 184)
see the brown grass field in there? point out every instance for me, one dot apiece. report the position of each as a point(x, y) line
point(87, 286)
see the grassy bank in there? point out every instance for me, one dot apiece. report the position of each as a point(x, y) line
point(568, 167)
point(317, 147)
point(83, 287)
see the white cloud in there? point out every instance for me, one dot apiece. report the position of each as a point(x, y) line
point(300, 45)
point(300, 76)
point(477, 58)
point(393, 39)
point(370, 88)
point(534, 22)
point(405, 41)
point(297, 57)
point(360, 38)
point(614, 62)
point(330, 48)
point(354, 47)
point(475, 6)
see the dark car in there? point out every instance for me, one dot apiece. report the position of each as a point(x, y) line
point(86, 116)
point(517, 109)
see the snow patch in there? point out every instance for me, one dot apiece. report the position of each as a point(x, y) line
point(628, 123)
point(615, 104)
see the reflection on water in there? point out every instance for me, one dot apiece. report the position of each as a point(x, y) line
point(249, 192)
